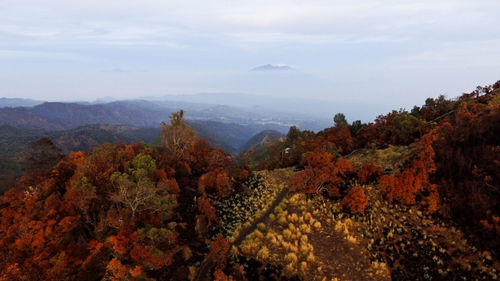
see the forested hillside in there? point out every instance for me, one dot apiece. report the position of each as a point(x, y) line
point(141, 113)
point(412, 196)
point(230, 137)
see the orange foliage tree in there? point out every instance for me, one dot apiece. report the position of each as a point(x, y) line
point(333, 140)
point(217, 180)
point(415, 179)
point(320, 174)
point(468, 164)
point(207, 209)
point(369, 172)
point(106, 214)
point(219, 275)
point(119, 212)
point(218, 251)
point(355, 200)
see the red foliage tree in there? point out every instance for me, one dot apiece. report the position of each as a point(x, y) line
point(207, 209)
point(468, 165)
point(414, 179)
point(333, 140)
point(218, 251)
point(115, 213)
point(117, 271)
point(321, 174)
point(369, 172)
point(219, 275)
point(60, 228)
point(355, 200)
point(217, 180)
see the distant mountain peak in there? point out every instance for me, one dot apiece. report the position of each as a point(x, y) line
point(106, 99)
point(17, 102)
point(273, 67)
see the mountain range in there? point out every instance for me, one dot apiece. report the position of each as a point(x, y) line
point(16, 102)
point(59, 115)
point(85, 125)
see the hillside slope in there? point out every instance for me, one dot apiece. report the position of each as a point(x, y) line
point(15, 140)
point(411, 196)
point(228, 137)
point(261, 139)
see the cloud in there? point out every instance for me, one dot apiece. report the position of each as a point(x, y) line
point(355, 45)
point(273, 67)
point(35, 55)
point(129, 21)
point(463, 55)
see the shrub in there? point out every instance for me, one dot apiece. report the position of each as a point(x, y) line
point(320, 174)
point(369, 172)
point(355, 200)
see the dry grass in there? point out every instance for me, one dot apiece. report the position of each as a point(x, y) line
point(392, 157)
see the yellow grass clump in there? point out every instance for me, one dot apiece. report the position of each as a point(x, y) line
point(291, 258)
point(258, 234)
point(305, 228)
point(263, 253)
point(307, 217)
point(261, 226)
point(303, 266)
point(287, 234)
point(351, 239)
point(293, 217)
point(310, 257)
point(317, 225)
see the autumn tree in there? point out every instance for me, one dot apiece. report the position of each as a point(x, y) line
point(414, 180)
point(39, 230)
point(218, 251)
point(207, 209)
point(369, 172)
point(467, 158)
point(321, 174)
point(335, 140)
point(355, 200)
point(219, 275)
point(217, 180)
point(119, 212)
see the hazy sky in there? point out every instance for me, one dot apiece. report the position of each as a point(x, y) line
point(391, 52)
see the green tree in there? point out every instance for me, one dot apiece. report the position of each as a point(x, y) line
point(136, 191)
point(340, 120)
point(178, 136)
point(293, 134)
point(356, 126)
point(406, 127)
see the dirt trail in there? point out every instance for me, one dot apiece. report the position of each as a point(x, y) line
point(343, 259)
point(209, 263)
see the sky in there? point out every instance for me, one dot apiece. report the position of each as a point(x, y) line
point(391, 53)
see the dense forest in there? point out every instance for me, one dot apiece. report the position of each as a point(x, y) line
point(413, 195)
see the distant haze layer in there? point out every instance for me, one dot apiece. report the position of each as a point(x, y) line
point(360, 57)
